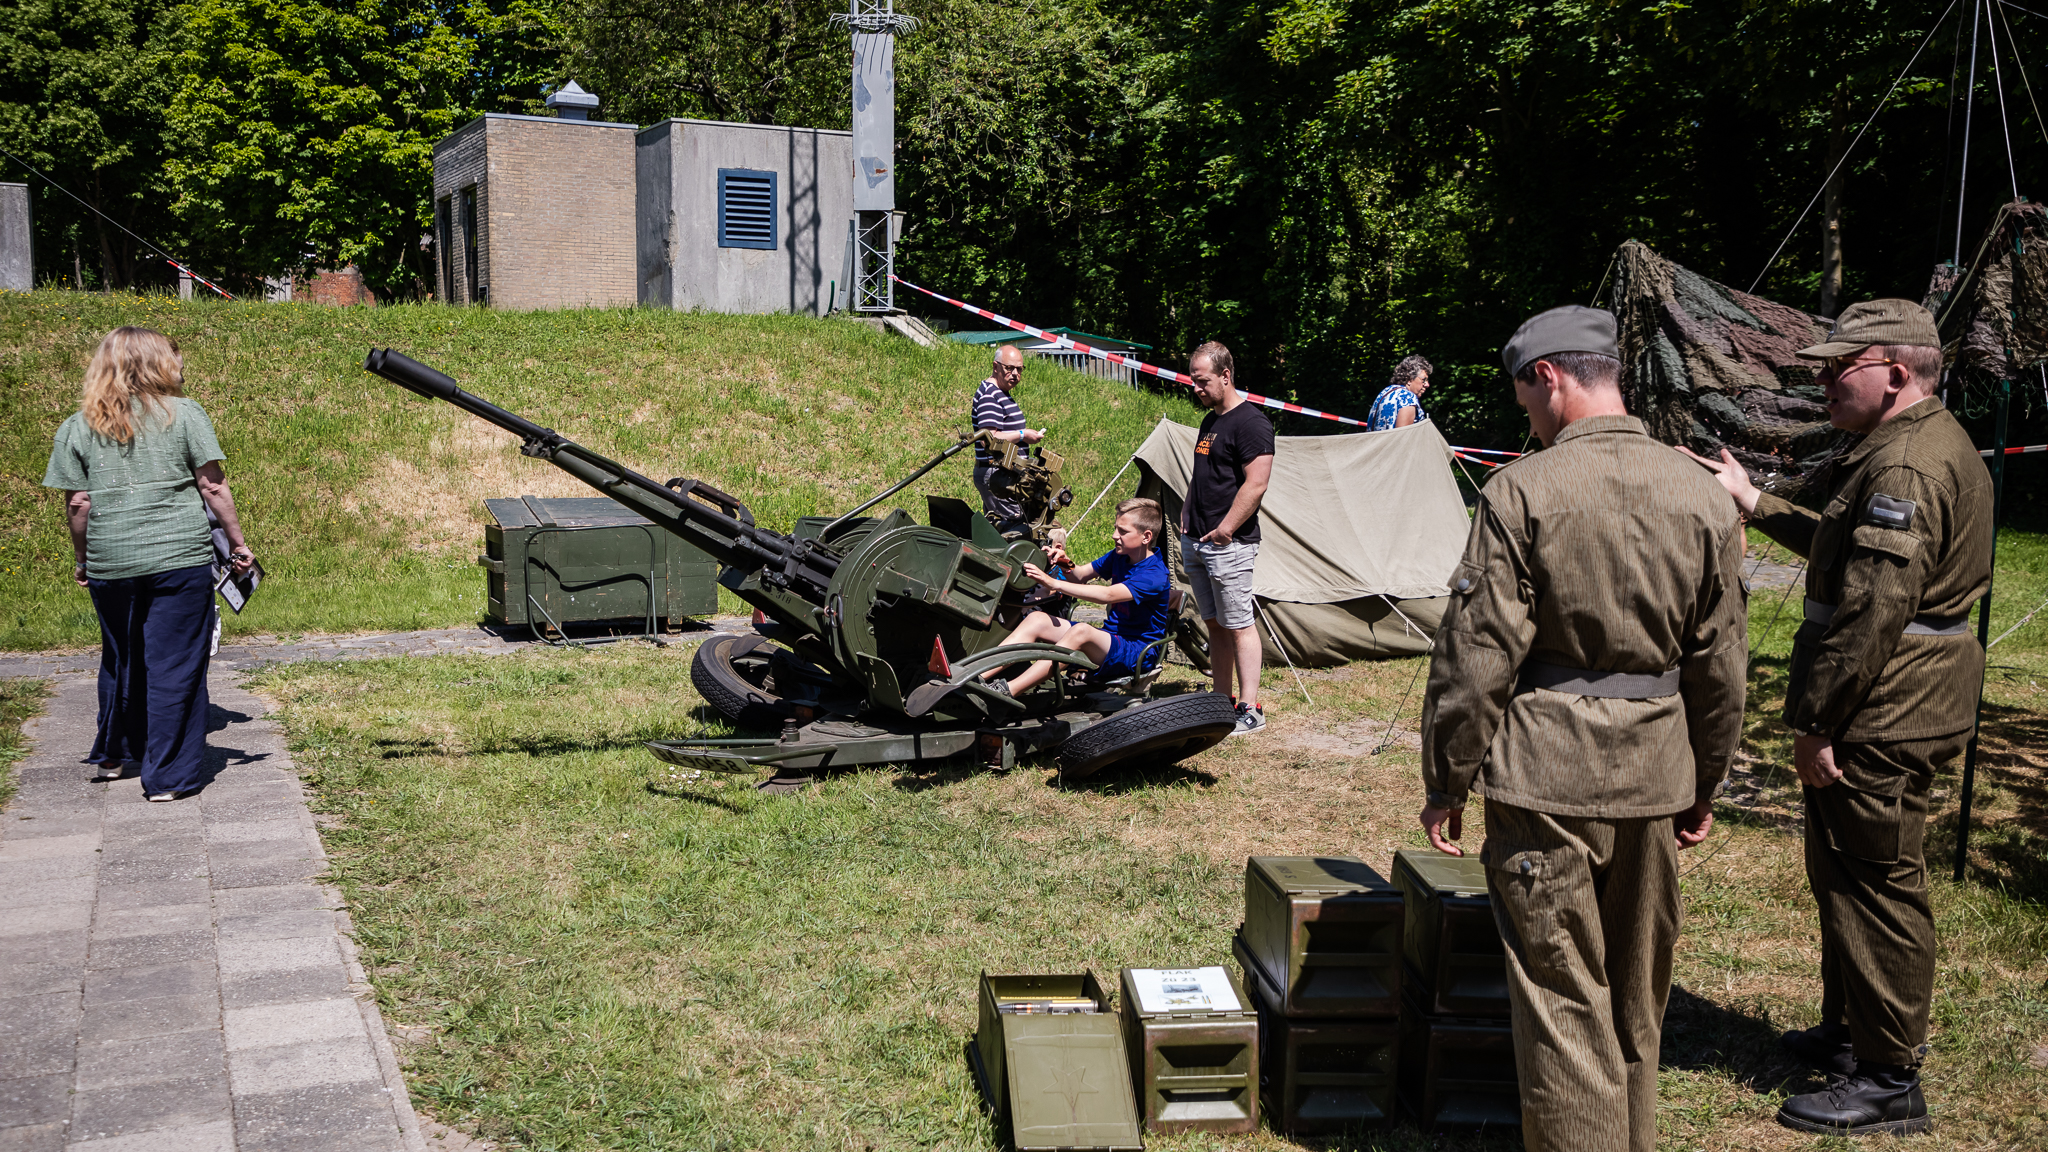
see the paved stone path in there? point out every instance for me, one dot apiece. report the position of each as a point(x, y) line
point(172, 977)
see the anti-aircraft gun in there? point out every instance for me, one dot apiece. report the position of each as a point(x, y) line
point(873, 631)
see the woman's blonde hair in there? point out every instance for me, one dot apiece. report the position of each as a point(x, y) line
point(131, 364)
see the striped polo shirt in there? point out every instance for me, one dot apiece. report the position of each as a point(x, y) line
point(994, 409)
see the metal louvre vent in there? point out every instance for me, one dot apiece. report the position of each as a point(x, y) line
point(746, 208)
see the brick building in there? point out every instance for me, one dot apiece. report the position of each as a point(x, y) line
point(535, 212)
point(564, 211)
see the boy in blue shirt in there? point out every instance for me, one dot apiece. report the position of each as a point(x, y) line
point(1138, 590)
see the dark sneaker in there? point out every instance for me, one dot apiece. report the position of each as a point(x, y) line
point(1876, 1099)
point(1250, 718)
point(1825, 1048)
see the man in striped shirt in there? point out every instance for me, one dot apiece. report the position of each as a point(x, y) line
point(996, 412)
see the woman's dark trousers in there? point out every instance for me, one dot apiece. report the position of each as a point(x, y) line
point(155, 636)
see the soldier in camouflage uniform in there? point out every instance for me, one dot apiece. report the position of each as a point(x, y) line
point(1882, 693)
point(1588, 680)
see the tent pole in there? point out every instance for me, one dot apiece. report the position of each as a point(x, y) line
point(1969, 107)
point(1984, 624)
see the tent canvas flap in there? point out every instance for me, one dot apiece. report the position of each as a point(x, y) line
point(1367, 514)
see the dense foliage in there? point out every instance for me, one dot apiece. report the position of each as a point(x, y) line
point(1325, 184)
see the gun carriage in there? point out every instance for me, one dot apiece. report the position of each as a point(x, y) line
point(872, 631)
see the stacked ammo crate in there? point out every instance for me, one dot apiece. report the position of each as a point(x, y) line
point(1321, 953)
point(1457, 1050)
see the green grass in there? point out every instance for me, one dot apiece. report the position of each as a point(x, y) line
point(365, 502)
point(19, 700)
point(589, 950)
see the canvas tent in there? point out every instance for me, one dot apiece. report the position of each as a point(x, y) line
point(1360, 535)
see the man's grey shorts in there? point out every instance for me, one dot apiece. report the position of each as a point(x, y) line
point(1222, 578)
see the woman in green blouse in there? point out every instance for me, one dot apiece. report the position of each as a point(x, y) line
point(140, 467)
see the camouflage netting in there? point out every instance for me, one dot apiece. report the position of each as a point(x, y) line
point(1998, 327)
point(1709, 367)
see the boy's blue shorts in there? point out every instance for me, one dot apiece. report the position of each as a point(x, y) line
point(1122, 660)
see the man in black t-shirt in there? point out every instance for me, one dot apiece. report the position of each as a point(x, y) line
point(1219, 523)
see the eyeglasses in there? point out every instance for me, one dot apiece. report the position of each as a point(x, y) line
point(1843, 365)
point(1001, 367)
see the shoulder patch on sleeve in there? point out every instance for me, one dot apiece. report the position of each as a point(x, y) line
point(1885, 512)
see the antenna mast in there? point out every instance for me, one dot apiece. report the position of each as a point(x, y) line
point(875, 25)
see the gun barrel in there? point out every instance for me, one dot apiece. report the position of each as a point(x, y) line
point(713, 521)
point(434, 384)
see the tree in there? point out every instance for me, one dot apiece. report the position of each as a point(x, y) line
point(750, 61)
point(82, 93)
point(301, 133)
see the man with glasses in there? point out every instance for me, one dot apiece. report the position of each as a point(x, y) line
point(996, 412)
point(1882, 692)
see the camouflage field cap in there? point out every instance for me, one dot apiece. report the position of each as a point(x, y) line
point(1877, 322)
point(1572, 328)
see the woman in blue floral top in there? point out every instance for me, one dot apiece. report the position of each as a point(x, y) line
point(1399, 404)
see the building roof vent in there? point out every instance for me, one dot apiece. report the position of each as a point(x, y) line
point(571, 102)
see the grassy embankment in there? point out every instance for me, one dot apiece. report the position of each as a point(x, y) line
point(588, 950)
point(364, 502)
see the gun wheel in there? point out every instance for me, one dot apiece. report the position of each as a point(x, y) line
point(733, 675)
point(1161, 732)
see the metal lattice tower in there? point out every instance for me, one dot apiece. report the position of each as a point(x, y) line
point(872, 243)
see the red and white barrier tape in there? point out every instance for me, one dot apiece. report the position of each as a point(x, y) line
point(1165, 373)
point(198, 277)
point(2017, 451)
point(1119, 358)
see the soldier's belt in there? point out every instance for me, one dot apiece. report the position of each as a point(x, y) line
point(1587, 682)
point(1824, 614)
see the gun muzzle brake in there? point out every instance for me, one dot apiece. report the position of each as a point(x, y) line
point(410, 374)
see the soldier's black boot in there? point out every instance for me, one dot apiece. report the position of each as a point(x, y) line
point(1878, 1098)
point(1824, 1047)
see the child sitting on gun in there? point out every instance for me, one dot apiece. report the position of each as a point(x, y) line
point(1137, 593)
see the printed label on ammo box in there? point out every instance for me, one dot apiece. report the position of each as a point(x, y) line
point(1184, 990)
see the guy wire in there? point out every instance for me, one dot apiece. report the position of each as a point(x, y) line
point(1105, 491)
point(1998, 80)
point(1948, 152)
point(2013, 46)
point(1969, 109)
point(156, 248)
point(1846, 152)
point(1388, 735)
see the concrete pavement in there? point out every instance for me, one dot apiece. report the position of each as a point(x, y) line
point(173, 977)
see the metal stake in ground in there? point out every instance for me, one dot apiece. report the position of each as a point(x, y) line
point(1984, 623)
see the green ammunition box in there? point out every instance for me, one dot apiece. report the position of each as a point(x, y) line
point(1458, 1072)
point(1326, 931)
point(1051, 1061)
point(562, 560)
point(1322, 1075)
point(1451, 944)
point(1194, 1053)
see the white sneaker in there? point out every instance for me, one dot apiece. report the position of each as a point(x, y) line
point(1250, 718)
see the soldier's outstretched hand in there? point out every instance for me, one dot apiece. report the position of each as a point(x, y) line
point(1434, 821)
point(1732, 475)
